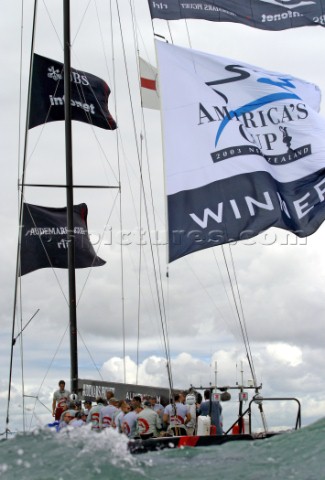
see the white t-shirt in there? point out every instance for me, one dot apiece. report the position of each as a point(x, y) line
point(93, 416)
point(129, 424)
point(61, 396)
point(181, 412)
point(148, 422)
point(107, 416)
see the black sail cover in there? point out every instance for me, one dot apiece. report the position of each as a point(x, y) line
point(263, 14)
point(89, 95)
point(44, 239)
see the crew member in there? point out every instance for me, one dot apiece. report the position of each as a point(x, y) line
point(59, 397)
point(177, 416)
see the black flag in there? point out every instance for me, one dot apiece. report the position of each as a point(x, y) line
point(44, 239)
point(264, 14)
point(89, 95)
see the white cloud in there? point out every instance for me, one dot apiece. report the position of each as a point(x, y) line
point(285, 353)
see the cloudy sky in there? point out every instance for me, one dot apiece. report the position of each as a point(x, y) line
point(280, 278)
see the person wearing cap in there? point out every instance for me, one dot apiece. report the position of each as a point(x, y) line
point(60, 396)
point(149, 423)
point(108, 414)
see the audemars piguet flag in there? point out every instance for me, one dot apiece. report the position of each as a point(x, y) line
point(44, 239)
point(244, 150)
point(89, 95)
point(264, 14)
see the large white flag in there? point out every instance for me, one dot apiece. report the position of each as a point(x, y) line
point(244, 150)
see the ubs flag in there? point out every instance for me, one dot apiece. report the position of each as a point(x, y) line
point(44, 239)
point(244, 150)
point(89, 95)
point(264, 14)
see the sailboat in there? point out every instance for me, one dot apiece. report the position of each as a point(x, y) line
point(91, 313)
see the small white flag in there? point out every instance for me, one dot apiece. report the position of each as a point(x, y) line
point(149, 85)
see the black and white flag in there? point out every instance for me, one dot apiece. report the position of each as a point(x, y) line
point(89, 95)
point(264, 14)
point(44, 239)
point(244, 150)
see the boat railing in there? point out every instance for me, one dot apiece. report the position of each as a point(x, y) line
point(259, 401)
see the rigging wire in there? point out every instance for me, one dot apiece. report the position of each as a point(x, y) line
point(21, 198)
point(157, 269)
point(97, 251)
point(53, 25)
point(22, 364)
point(165, 316)
point(188, 34)
point(189, 266)
point(46, 373)
point(248, 348)
point(26, 325)
point(242, 327)
point(139, 268)
point(50, 366)
point(170, 31)
point(138, 156)
point(90, 355)
point(19, 154)
point(82, 20)
point(118, 178)
point(120, 201)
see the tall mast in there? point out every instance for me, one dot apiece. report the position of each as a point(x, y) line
point(69, 190)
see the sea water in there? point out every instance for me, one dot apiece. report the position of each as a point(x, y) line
point(82, 454)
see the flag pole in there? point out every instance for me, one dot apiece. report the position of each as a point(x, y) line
point(69, 191)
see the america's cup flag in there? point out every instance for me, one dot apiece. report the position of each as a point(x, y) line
point(244, 150)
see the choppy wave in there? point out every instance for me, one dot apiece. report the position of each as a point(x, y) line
point(83, 454)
